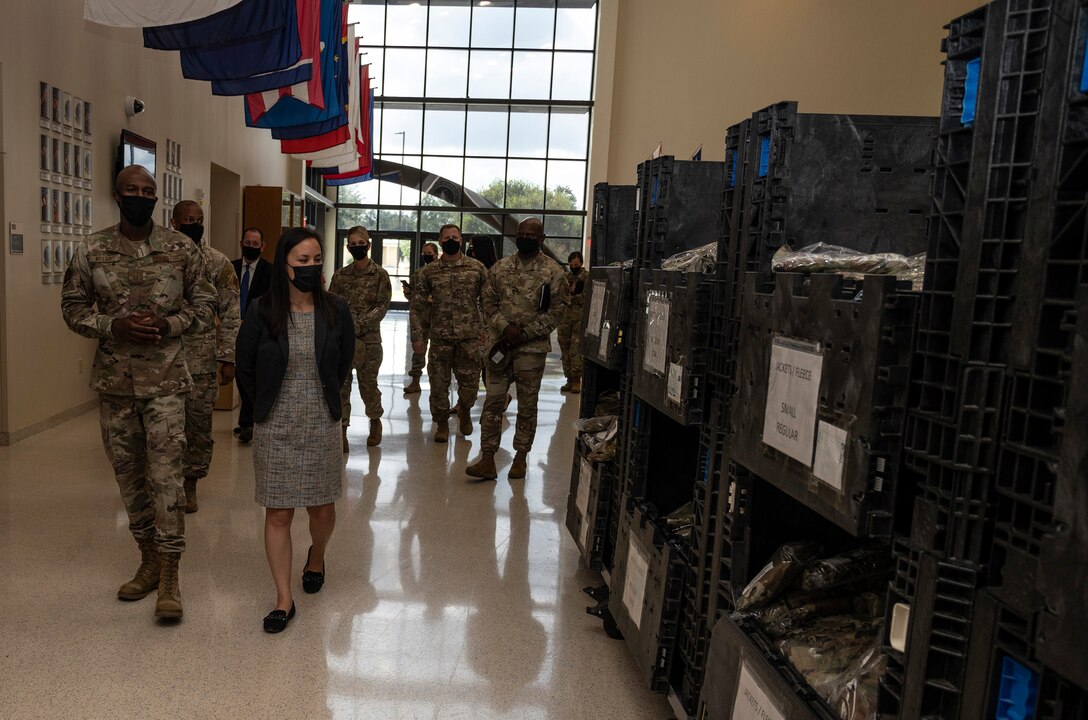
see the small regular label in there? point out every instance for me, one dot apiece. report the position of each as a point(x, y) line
point(596, 307)
point(752, 701)
point(830, 454)
point(634, 584)
point(676, 383)
point(793, 396)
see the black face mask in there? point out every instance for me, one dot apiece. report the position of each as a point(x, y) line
point(195, 231)
point(451, 247)
point(527, 245)
point(358, 251)
point(306, 277)
point(251, 253)
point(137, 209)
point(428, 259)
point(576, 270)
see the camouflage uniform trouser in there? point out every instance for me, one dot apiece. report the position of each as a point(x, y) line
point(526, 369)
point(570, 342)
point(419, 360)
point(448, 358)
point(367, 363)
point(199, 405)
point(145, 442)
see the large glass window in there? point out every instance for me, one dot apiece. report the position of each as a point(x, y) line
point(481, 117)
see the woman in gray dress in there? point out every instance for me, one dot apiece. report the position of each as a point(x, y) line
point(294, 352)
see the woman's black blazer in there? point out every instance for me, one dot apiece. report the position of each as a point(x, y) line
point(261, 360)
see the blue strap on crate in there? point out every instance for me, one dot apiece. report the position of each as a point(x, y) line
point(1084, 70)
point(970, 92)
point(733, 172)
point(764, 155)
point(1018, 691)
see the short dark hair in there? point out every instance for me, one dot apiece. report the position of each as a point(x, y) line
point(182, 206)
point(576, 254)
point(253, 228)
point(430, 245)
point(358, 230)
point(447, 226)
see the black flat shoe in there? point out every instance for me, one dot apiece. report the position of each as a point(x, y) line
point(312, 581)
point(276, 621)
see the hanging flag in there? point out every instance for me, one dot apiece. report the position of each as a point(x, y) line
point(141, 13)
point(246, 19)
point(288, 111)
point(360, 155)
point(358, 81)
point(365, 166)
point(656, 153)
point(265, 53)
point(698, 154)
point(306, 71)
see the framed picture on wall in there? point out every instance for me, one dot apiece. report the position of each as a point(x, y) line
point(58, 259)
point(77, 161)
point(45, 205)
point(45, 95)
point(77, 116)
point(56, 109)
point(77, 210)
point(87, 119)
point(86, 211)
point(43, 161)
point(54, 207)
point(47, 255)
point(177, 156)
point(66, 110)
point(69, 252)
point(66, 214)
point(55, 163)
point(66, 158)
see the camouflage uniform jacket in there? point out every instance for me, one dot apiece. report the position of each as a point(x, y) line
point(513, 295)
point(577, 299)
point(106, 280)
point(203, 349)
point(368, 293)
point(454, 288)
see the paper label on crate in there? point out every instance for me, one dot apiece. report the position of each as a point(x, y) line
point(676, 383)
point(634, 584)
point(752, 701)
point(585, 480)
point(596, 307)
point(657, 334)
point(793, 397)
point(606, 340)
point(830, 454)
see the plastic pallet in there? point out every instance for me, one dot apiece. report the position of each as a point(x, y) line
point(740, 653)
point(651, 636)
point(605, 337)
point(591, 486)
point(929, 677)
point(679, 390)
point(614, 224)
point(862, 181)
point(864, 332)
point(678, 207)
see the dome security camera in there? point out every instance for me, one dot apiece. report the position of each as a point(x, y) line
point(134, 106)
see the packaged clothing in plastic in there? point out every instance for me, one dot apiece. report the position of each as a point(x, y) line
point(796, 609)
point(679, 521)
point(828, 647)
point(701, 260)
point(599, 436)
point(777, 575)
point(608, 403)
point(855, 694)
point(823, 257)
point(866, 564)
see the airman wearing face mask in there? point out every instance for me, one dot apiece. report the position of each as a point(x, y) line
point(570, 326)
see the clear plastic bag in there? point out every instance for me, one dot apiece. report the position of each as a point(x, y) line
point(865, 564)
point(855, 693)
point(702, 260)
point(599, 436)
point(777, 575)
point(823, 257)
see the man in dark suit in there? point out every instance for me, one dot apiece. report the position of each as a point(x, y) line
point(254, 276)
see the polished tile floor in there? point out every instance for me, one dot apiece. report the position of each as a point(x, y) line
point(445, 598)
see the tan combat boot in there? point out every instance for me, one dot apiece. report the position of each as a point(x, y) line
point(169, 602)
point(484, 467)
point(576, 386)
point(375, 432)
point(147, 575)
point(442, 433)
point(517, 469)
point(412, 387)
point(190, 495)
point(464, 418)
point(567, 386)
point(347, 447)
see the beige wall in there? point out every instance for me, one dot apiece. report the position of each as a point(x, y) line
point(684, 70)
point(43, 366)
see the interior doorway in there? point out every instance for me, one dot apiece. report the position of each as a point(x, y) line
point(223, 214)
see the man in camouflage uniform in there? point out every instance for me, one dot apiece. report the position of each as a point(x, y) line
point(521, 314)
point(419, 359)
point(136, 288)
point(209, 355)
point(570, 327)
point(365, 285)
point(446, 304)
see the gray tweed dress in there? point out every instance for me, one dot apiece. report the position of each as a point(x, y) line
point(297, 453)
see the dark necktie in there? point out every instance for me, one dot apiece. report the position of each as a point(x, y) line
point(244, 299)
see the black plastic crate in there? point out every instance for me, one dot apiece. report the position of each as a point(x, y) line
point(859, 181)
point(606, 323)
point(660, 456)
point(1006, 678)
point(933, 601)
point(597, 381)
point(744, 670)
point(833, 441)
point(679, 207)
point(675, 311)
point(589, 504)
point(647, 590)
point(614, 224)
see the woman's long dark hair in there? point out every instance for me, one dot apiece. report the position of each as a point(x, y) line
point(278, 307)
point(484, 247)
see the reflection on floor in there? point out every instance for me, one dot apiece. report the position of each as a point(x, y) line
point(445, 599)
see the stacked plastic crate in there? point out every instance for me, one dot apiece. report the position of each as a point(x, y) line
point(992, 623)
